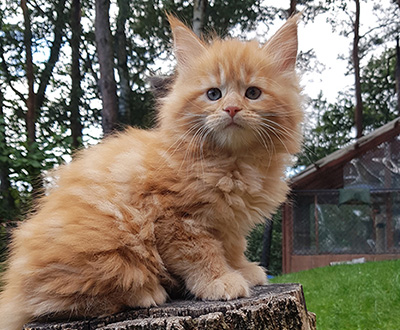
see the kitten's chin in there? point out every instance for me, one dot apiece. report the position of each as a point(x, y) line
point(234, 137)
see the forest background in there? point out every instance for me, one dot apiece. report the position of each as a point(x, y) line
point(73, 71)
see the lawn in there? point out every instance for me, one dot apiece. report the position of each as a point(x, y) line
point(362, 296)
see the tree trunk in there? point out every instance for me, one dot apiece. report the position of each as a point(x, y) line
point(7, 202)
point(45, 76)
point(271, 307)
point(34, 100)
point(30, 118)
point(397, 73)
point(356, 63)
point(267, 241)
point(76, 91)
point(125, 96)
point(292, 8)
point(105, 54)
point(199, 14)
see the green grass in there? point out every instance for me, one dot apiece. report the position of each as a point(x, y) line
point(363, 296)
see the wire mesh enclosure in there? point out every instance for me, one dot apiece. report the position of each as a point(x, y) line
point(347, 205)
point(324, 224)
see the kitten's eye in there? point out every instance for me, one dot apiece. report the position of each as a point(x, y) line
point(214, 94)
point(253, 93)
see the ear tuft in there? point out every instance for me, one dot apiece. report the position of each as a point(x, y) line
point(282, 47)
point(186, 44)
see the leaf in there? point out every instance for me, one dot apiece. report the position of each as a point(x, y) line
point(35, 164)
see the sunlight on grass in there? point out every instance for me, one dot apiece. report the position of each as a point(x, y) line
point(363, 296)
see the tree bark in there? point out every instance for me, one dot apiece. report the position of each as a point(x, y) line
point(125, 96)
point(34, 101)
point(271, 307)
point(199, 14)
point(30, 101)
point(7, 202)
point(45, 76)
point(292, 8)
point(30, 118)
point(356, 64)
point(106, 60)
point(397, 73)
point(267, 241)
point(76, 91)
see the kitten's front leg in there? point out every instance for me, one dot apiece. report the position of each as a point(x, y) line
point(194, 255)
point(251, 271)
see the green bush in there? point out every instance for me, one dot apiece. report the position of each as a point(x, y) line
point(255, 244)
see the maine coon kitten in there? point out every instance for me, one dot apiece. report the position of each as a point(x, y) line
point(143, 211)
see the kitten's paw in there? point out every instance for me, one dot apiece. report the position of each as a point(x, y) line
point(254, 274)
point(150, 297)
point(229, 286)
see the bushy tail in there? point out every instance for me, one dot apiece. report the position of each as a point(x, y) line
point(13, 314)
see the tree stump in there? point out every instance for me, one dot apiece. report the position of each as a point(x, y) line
point(274, 306)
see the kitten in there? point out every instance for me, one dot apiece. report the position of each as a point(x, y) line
point(144, 211)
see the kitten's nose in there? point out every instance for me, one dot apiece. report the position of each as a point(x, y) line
point(232, 111)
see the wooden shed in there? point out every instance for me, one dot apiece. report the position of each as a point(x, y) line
point(346, 206)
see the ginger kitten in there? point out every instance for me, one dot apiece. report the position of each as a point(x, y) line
point(144, 211)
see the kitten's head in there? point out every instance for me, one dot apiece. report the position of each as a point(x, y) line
point(234, 95)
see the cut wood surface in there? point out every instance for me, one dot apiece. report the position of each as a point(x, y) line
point(274, 306)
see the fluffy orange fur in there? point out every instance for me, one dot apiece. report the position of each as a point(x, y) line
point(147, 211)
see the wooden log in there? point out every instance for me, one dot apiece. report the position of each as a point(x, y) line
point(274, 306)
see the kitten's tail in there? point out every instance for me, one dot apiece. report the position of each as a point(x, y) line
point(13, 314)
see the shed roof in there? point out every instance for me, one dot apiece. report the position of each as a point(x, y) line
point(314, 174)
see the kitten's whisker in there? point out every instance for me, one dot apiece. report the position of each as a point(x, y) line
point(275, 132)
point(260, 137)
point(178, 142)
point(196, 146)
point(282, 133)
point(288, 131)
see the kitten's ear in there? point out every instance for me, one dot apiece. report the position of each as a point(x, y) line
point(186, 44)
point(282, 47)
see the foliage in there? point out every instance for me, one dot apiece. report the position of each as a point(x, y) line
point(256, 242)
point(363, 296)
point(332, 124)
point(378, 85)
point(332, 129)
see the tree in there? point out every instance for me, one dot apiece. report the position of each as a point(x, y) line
point(398, 74)
point(373, 95)
point(292, 7)
point(332, 129)
point(357, 78)
point(334, 121)
point(378, 86)
point(398, 67)
point(199, 13)
point(106, 60)
point(30, 101)
point(29, 132)
point(125, 95)
point(34, 101)
point(352, 26)
point(7, 203)
point(76, 90)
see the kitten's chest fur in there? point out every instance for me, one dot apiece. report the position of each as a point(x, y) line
point(216, 191)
